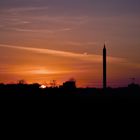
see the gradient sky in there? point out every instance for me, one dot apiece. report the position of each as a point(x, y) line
point(44, 40)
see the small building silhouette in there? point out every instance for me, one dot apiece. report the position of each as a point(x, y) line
point(71, 84)
point(133, 86)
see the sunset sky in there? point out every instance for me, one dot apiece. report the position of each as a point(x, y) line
point(45, 40)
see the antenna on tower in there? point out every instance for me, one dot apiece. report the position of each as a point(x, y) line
point(104, 47)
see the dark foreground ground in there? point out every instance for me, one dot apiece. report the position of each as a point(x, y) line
point(33, 92)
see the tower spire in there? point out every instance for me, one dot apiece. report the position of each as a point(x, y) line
point(104, 67)
point(104, 46)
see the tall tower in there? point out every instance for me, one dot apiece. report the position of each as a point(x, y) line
point(104, 68)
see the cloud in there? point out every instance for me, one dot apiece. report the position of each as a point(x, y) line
point(81, 43)
point(70, 20)
point(24, 19)
point(26, 9)
point(50, 31)
point(83, 57)
point(32, 30)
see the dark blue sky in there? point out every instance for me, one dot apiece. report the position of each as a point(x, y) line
point(103, 6)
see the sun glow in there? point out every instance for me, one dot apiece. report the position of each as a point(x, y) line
point(42, 86)
point(41, 71)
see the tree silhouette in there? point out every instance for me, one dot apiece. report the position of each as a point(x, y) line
point(22, 82)
point(53, 84)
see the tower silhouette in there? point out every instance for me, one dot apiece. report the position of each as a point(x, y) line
point(104, 68)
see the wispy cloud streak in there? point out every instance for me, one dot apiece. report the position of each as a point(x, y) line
point(25, 9)
point(84, 56)
point(41, 30)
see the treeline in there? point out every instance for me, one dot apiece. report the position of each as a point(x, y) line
point(66, 91)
